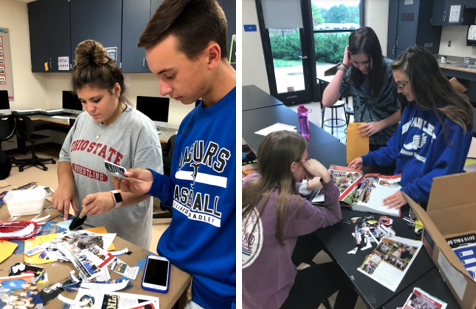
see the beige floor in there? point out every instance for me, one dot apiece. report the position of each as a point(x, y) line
point(322, 257)
point(49, 178)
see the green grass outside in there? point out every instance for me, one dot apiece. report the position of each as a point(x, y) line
point(280, 63)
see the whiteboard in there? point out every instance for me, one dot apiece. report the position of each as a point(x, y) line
point(6, 77)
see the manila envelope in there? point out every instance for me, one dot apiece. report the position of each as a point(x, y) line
point(357, 145)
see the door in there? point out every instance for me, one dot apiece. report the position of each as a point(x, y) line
point(392, 29)
point(407, 24)
point(136, 14)
point(289, 79)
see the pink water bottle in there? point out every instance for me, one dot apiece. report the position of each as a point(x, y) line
point(303, 121)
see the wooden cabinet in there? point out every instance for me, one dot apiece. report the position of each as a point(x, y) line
point(37, 12)
point(451, 13)
point(135, 17)
point(49, 34)
point(229, 7)
point(58, 26)
point(154, 4)
point(96, 20)
point(470, 4)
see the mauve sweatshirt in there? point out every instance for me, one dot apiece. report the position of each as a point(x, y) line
point(267, 269)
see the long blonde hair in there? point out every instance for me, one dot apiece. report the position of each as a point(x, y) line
point(276, 153)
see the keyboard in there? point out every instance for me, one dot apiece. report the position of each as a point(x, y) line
point(23, 112)
point(52, 112)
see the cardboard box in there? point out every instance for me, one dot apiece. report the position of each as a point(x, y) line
point(451, 212)
point(457, 85)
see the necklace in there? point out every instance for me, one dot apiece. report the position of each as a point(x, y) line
point(99, 125)
point(99, 135)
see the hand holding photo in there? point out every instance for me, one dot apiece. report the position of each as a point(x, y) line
point(118, 171)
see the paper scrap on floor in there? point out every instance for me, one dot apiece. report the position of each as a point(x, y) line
point(276, 127)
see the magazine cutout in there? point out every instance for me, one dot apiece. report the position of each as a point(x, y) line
point(363, 192)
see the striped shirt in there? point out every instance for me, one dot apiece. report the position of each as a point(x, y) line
point(381, 107)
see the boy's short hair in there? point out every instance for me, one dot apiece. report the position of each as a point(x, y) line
point(195, 23)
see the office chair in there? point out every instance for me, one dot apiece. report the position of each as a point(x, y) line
point(24, 129)
point(167, 154)
point(7, 128)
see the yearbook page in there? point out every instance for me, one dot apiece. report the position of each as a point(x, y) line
point(390, 261)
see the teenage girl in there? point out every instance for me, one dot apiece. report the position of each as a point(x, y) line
point(274, 215)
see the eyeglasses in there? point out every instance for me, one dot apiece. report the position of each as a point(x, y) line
point(400, 86)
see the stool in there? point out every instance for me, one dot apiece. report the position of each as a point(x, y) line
point(349, 111)
point(338, 104)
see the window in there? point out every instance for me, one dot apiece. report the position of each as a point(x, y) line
point(332, 23)
point(296, 53)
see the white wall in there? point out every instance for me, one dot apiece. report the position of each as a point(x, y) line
point(137, 84)
point(457, 36)
point(376, 17)
point(43, 90)
point(29, 89)
point(254, 69)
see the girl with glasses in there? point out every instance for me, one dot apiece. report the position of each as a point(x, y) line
point(435, 132)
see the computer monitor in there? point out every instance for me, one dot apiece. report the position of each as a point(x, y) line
point(4, 102)
point(156, 109)
point(71, 103)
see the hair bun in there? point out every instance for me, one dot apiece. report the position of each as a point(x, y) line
point(90, 52)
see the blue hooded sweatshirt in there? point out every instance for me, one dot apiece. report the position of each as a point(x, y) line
point(201, 238)
point(421, 152)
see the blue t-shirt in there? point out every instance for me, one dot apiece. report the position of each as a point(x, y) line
point(420, 152)
point(202, 189)
point(381, 107)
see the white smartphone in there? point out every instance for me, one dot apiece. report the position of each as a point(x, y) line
point(118, 171)
point(156, 274)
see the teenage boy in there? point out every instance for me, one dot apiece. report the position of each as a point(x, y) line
point(185, 43)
